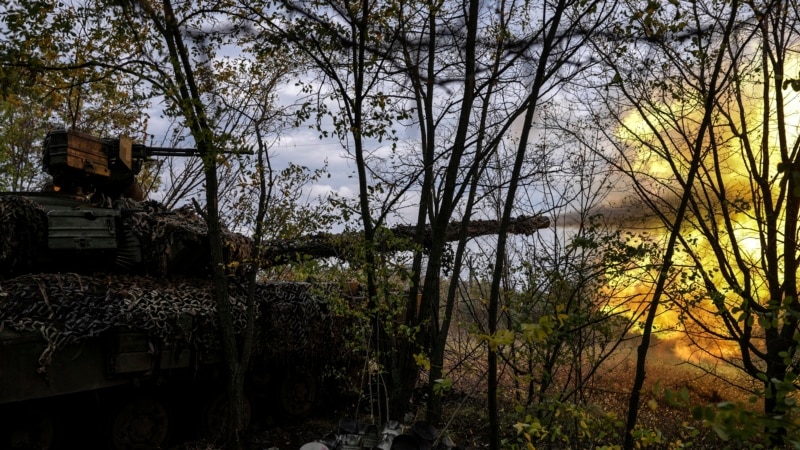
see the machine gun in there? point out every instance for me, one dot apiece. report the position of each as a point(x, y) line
point(82, 164)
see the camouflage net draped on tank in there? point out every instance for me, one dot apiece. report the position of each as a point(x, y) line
point(176, 240)
point(292, 320)
point(171, 241)
point(24, 232)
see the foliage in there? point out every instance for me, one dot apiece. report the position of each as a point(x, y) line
point(738, 421)
point(21, 131)
point(566, 325)
point(291, 212)
point(32, 103)
point(572, 425)
point(172, 49)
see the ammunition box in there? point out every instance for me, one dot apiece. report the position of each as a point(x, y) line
point(73, 150)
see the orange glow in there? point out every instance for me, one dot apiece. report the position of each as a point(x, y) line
point(676, 123)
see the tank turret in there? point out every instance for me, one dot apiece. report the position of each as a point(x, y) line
point(83, 164)
point(107, 309)
point(93, 216)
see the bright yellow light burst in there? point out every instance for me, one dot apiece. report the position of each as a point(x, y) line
point(660, 145)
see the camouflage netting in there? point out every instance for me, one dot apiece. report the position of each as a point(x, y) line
point(291, 321)
point(23, 226)
point(176, 240)
point(172, 241)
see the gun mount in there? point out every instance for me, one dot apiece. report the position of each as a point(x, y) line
point(82, 164)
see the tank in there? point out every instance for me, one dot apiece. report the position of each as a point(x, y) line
point(107, 315)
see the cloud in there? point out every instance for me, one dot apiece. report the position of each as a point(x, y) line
point(325, 190)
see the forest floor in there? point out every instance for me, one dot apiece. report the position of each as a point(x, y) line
point(673, 426)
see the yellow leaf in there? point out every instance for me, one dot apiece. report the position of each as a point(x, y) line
point(422, 361)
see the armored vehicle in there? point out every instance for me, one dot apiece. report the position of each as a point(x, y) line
point(107, 315)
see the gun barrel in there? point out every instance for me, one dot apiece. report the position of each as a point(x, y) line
point(172, 151)
point(169, 151)
point(142, 151)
